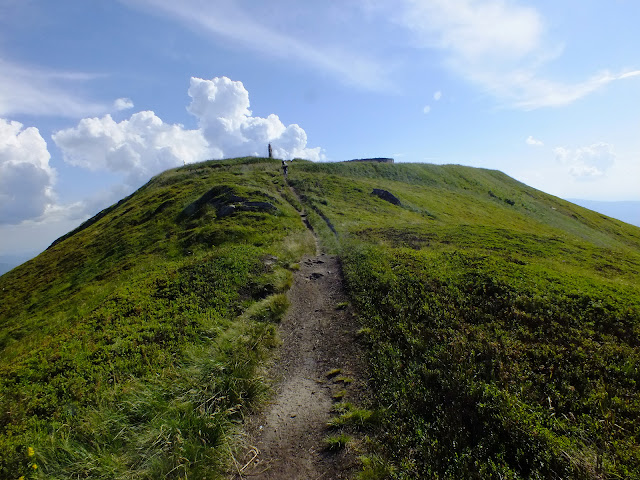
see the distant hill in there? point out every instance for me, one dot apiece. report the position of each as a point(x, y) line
point(626, 211)
point(500, 324)
point(7, 262)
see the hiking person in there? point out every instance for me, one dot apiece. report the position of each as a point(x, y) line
point(285, 167)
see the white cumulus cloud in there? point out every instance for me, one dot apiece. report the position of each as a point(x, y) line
point(26, 179)
point(144, 145)
point(534, 142)
point(123, 104)
point(588, 162)
point(138, 147)
point(222, 108)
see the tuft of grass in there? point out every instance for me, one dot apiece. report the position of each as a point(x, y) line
point(343, 379)
point(335, 443)
point(333, 372)
point(343, 407)
point(351, 416)
point(375, 468)
point(339, 395)
point(271, 309)
point(342, 305)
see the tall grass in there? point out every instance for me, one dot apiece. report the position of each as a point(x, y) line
point(126, 348)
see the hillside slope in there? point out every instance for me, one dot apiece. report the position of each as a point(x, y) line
point(501, 324)
point(129, 346)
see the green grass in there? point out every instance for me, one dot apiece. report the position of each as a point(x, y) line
point(501, 324)
point(133, 347)
point(335, 443)
point(352, 416)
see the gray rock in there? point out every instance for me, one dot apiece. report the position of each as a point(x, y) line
point(386, 196)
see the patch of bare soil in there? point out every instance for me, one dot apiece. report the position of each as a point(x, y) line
point(285, 441)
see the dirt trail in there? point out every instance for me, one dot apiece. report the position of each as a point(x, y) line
point(318, 333)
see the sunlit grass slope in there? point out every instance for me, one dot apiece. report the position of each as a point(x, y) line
point(128, 348)
point(502, 324)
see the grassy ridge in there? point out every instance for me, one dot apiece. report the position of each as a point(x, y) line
point(129, 348)
point(502, 323)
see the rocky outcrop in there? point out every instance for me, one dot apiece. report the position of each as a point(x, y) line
point(386, 196)
point(226, 202)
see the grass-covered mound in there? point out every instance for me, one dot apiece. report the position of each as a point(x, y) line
point(502, 324)
point(129, 347)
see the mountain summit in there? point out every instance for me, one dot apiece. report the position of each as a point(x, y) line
point(499, 325)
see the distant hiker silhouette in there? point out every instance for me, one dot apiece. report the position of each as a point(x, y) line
point(270, 151)
point(285, 167)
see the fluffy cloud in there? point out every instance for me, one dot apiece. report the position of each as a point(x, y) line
point(222, 108)
point(534, 142)
point(123, 104)
point(26, 179)
point(139, 147)
point(588, 162)
point(144, 145)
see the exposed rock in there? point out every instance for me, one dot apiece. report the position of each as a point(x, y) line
point(256, 206)
point(386, 196)
point(226, 203)
point(225, 210)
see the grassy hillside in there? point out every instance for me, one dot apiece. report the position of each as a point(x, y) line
point(129, 347)
point(502, 324)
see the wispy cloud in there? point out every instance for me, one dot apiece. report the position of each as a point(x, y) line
point(528, 91)
point(587, 163)
point(534, 142)
point(499, 46)
point(37, 91)
point(224, 19)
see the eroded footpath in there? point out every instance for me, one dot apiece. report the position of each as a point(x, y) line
point(286, 440)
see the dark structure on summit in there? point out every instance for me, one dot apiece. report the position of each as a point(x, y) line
point(377, 159)
point(270, 151)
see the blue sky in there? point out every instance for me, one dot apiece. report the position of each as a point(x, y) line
point(98, 96)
